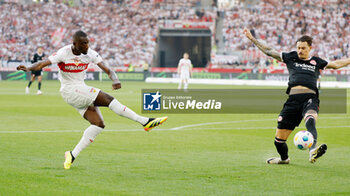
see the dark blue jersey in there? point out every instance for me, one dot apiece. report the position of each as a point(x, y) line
point(303, 72)
point(37, 58)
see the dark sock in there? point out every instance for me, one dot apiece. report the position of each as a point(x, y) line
point(282, 148)
point(39, 85)
point(30, 83)
point(73, 158)
point(310, 125)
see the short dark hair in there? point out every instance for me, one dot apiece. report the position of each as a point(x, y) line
point(305, 38)
point(79, 34)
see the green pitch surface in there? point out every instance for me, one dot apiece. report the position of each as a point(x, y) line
point(223, 158)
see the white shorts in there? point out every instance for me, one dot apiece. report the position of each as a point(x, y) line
point(79, 96)
point(185, 75)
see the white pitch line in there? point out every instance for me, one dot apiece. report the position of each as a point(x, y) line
point(140, 130)
point(186, 127)
point(238, 121)
point(217, 123)
point(73, 131)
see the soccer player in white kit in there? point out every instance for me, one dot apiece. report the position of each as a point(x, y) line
point(73, 61)
point(185, 70)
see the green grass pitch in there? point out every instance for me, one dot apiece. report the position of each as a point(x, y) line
point(226, 158)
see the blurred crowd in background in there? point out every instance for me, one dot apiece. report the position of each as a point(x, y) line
point(121, 32)
point(125, 32)
point(280, 23)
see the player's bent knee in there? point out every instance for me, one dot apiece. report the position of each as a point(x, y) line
point(103, 99)
point(99, 124)
point(311, 114)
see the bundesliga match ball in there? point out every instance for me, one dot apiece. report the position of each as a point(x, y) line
point(303, 140)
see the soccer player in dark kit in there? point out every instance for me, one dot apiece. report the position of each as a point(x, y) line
point(38, 56)
point(302, 89)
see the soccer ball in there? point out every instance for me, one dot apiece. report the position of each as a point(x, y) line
point(303, 140)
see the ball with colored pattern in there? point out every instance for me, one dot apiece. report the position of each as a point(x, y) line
point(303, 140)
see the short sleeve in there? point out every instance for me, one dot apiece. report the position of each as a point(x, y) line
point(96, 58)
point(287, 56)
point(57, 56)
point(181, 60)
point(322, 63)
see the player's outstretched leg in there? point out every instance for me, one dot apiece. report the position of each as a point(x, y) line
point(317, 152)
point(103, 99)
point(147, 123)
point(310, 124)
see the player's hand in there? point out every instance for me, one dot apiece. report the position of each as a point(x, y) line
point(247, 33)
point(22, 67)
point(116, 86)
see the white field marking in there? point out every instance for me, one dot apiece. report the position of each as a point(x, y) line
point(238, 121)
point(218, 123)
point(140, 130)
point(74, 131)
point(188, 127)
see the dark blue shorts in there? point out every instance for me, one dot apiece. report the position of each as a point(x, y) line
point(37, 73)
point(295, 108)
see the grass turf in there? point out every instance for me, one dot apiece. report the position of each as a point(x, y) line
point(220, 159)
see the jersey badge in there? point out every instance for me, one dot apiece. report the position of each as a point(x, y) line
point(313, 62)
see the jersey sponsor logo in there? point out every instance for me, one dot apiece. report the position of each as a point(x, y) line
point(73, 67)
point(313, 62)
point(305, 66)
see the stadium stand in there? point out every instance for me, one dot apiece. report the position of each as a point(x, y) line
point(280, 23)
point(124, 33)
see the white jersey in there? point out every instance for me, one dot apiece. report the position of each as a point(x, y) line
point(185, 65)
point(73, 67)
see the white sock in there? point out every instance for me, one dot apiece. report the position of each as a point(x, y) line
point(88, 137)
point(179, 87)
point(186, 85)
point(122, 110)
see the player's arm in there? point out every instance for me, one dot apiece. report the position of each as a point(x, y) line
point(338, 64)
point(36, 66)
point(116, 83)
point(264, 48)
point(179, 67)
